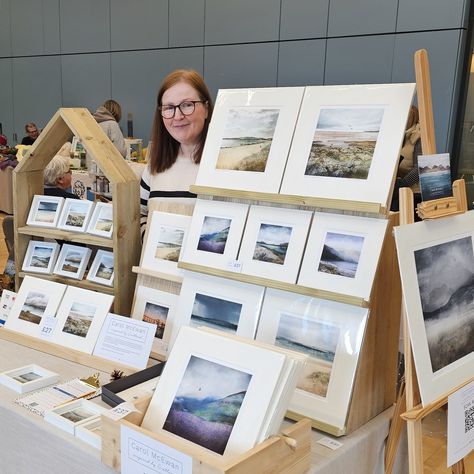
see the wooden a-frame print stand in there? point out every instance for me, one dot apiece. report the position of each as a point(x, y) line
point(409, 397)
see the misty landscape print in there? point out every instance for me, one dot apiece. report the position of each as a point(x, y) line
point(34, 306)
point(215, 313)
point(77, 214)
point(344, 142)
point(104, 222)
point(46, 212)
point(105, 269)
point(72, 261)
point(341, 254)
point(272, 243)
point(41, 256)
point(170, 240)
point(445, 274)
point(214, 233)
point(156, 314)
point(318, 340)
point(247, 139)
point(207, 403)
point(79, 319)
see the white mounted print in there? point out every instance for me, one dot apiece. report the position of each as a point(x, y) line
point(40, 257)
point(45, 211)
point(75, 214)
point(273, 242)
point(330, 334)
point(28, 378)
point(342, 253)
point(436, 261)
point(215, 233)
point(347, 142)
point(101, 222)
point(72, 261)
point(102, 269)
point(249, 138)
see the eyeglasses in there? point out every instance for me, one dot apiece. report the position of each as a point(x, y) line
point(186, 108)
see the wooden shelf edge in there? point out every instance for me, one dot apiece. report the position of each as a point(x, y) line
point(63, 352)
point(317, 424)
point(340, 204)
point(161, 275)
point(278, 285)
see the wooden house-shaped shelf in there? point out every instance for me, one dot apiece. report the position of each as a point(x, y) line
point(124, 186)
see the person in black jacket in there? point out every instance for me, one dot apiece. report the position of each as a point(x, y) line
point(57, 177)
point(32, 133)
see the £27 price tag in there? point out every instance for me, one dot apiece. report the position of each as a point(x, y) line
point(48, 323)
point(121, 411)
point(234, 266)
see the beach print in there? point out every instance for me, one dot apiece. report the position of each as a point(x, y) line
point(272, 243)
point(79, 319)
point(46, 212)
point(105, 270)
point(72, 261)
point(214, 233)
point(104, 222)
point(77, 214)
point(41, 256)
point(170, 240)
point(34, 307)
point(156, 314)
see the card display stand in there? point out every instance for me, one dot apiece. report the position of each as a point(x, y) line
point(287, 453)
point(124, 184)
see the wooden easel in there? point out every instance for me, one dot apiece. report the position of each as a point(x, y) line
point(409, 398)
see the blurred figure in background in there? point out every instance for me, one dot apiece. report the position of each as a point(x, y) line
point(108, 116)
point(32, 133)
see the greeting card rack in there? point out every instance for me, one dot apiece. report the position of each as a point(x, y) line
point(287, 453)
point(28, 181)
point(409, 397)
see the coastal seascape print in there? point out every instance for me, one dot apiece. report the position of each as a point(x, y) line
point(318, 340)
point(105, 220)
point(247, 139)
point(41, 256)
point(46, 212)
point(445, 274)
point(435, 176)
point(344, 142)
point(77, 414)
point(215, 313)
point(72, 261)
point(105, 269)
point(34, 307)
point(272, 243)
point(341, 254)
point(156, 314)
point(77, 214)
point(204, 409)
point(26, 377)
point(170, 240)
point(79, 319)
point(214, 233)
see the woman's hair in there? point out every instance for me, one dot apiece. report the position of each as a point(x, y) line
point(164, 148)
point(114, 108)
point(55, 169)
point(413, 117)
point(30, 125)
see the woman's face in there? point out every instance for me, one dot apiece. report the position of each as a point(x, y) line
point(185, 129)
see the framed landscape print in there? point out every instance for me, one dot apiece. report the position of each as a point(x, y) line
point(102, 268)
point(331, 335)
point(72, 261)
point(249, 138)
point(342, 253)
point(75, 214)
point(273, 242)
point(40, 256)
point(215, 233)
point(36, 298)
point(80, 318)
point(347, 142)
point(101, 222)
point(28, 378)
point(45, 211)
point(165, 240)
point(214, 392)
point(159, 308)
point(219, 303)
point(90, 431)
point(436, 259)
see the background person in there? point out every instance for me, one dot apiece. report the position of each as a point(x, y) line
point(32, 133)
point(183, 112)
point(108, 116)
point(57, 177)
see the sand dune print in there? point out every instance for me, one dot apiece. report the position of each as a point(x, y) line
point(79, 319)
point(272, 243)
point(170, 240)
point(34, 307)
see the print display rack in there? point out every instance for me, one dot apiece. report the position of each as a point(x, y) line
point(287, 453)
point(408, 406)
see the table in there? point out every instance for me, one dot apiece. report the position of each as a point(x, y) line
point(29, 444)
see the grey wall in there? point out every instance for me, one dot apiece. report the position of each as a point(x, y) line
point(67, 53)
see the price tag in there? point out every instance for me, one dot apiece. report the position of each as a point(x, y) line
point(48, 323)
point(234, 266)
point(121, 411)
point(329, 443)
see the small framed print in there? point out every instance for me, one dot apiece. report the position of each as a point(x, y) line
point(347, 141)
point(72, 414)
point(90, 431)
point(219, 303)
point(159, 308)
point(273, 242)
point(80, 318)
point(77, 146)
point(28, 378)
point(102, 268)
point(37, 298)
point(40, 257)
point(45, 211)
point(249, 138)
point(75, 214)
point(101, 222)
point(330, 334)
point(165, 240)
point(215, 233)
point(72, 261)
point(342, 253)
